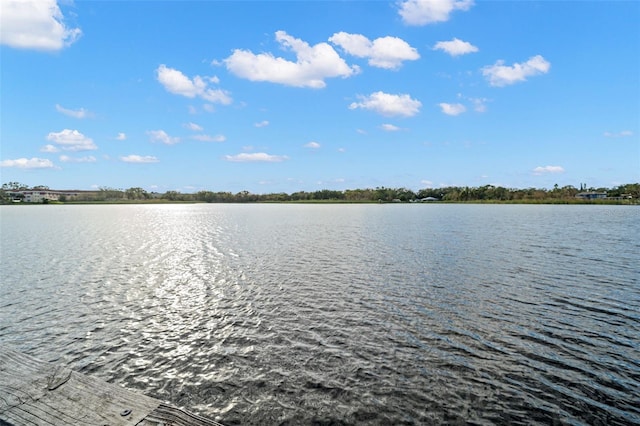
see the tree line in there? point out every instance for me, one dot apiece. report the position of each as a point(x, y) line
point(485, 193)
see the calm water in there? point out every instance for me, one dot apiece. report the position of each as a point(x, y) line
point(331, 314)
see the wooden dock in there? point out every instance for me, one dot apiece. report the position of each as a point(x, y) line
point(35, 392)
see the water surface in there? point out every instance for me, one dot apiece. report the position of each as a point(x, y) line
point(343, 314)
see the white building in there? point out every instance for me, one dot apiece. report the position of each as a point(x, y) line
point(40, 195)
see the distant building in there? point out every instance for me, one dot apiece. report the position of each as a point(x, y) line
point(41, 195)
point(591, 195)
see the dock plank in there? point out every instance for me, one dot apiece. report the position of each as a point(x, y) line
point(35, 392)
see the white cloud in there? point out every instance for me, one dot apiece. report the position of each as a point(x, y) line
point(49, 148)
point(427, 183)
point(622, 134)
point(422, 12)
point(455, 47)
point(87, 159)
point(76, 113)
point(263, 123)
point(384, 52)
point(163, 137)
point(312, 66)
point(388, 105)
point(72, 140)
point(193, 126)
point(256, 157)
point(25, 163)
point(139, 159)
point(548, 169)
point(500, 75)
point(121, 137)
point(479, 104)
point(177, 83)
point(35, 24)
point(390, 128)
point(312, 145)
point(452, 109)
point(209, 138)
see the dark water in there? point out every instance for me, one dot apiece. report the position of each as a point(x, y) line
point(337, 314)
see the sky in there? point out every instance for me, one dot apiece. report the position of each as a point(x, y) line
point(287, 96)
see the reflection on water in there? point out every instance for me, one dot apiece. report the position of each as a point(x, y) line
point(353, 314)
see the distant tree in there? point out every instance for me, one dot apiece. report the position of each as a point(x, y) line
point(206, 196)
point(429, 192)
point(14, 186)
point(359, 195)
point(109, 194)
point(245, 197)
point(301, 196)
point(171, 195)
point(630, 189)
point(137, 194)
point(568, 191)
point(327, 194)
point(383, 194)
point(404, 194)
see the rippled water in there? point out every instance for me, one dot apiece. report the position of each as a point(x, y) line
point(332, 314)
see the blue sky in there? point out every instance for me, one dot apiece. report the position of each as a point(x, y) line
point(284, 96)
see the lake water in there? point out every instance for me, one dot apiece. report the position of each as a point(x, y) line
point(337, 314)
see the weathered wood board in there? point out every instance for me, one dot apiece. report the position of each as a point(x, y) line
point(34, 392)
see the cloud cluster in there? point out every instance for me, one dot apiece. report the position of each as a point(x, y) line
point(622, 134)
point(479, 104)
point(162, 137)
point(388, 104)
point(39, 24)
point(71, 140)
point(548, 169)
point(383, 52)
point(209, 138)
point(49, 148)
point(87, 159)
point(35, 24)
point(455, 47)
point(312, 66)
point(423, 12)
point(26, 163)
point(133, 158)
point(255, 157)
point(176, 82)
point(452, 109)
point(199, 137)
point(500, 75)
point(75, 113)
point(193, 126)
point(390, 128)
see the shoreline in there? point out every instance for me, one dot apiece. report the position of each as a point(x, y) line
point(631, 202)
